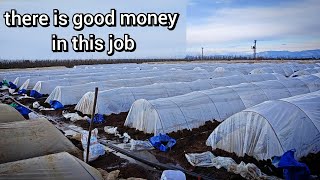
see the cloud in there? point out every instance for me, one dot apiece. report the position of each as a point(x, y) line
point(294, 20)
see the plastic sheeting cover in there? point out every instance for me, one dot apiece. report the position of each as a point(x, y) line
point(93, 77)
point(120, 99)
point(287, 70)
point(192, 110)
point(68, 95)
point(306, 72)
point(28, 139)
point(9, 114)
point(54, 166)
point(272, 128)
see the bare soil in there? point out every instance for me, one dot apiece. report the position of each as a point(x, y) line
point(111, 162)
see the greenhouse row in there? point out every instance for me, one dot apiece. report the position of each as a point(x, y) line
point(120, 99)
point(218, 116)
point(192, 110)
point(272, 128)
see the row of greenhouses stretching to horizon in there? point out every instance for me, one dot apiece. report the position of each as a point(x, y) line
point(163, 98)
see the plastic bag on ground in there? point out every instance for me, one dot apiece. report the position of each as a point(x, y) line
point(36, 105)
point(162, 142)
point(247, 171)
point(95, 148)
point(173, 175)
point(95, 151)
point(200, 159)
point(207, 159)
point(223, 162)
point(137, 145)
point(74, 117)
point(126, 137)
point(111, 130)
point(97, 119)
point(293, 169)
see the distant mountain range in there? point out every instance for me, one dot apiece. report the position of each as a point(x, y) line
point(291, 54)
point(268, 54)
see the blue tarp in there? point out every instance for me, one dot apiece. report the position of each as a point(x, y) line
point(162, 142)
point(293, 169)
point(24, 111)
point(12, 86)
point(56, 104)
point(98, 118)
point(35, 94)
point(22, 91)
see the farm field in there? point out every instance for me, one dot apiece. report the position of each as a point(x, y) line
point(210, 120)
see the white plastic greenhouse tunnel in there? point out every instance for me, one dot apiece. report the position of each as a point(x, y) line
point(9, 114)
point(66, 71)
point(284, 70)
point(192, 110)
point(32, 138)
point(306, 72)
point(86, 78)
point(89, 77)
point(120, 99)
point(129, 68)
point(242, 67)
point(54, 166)
point(68, 95)
point(47, 87)
point(100, 69)
point(272, 128)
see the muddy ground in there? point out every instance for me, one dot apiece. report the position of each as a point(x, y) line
point(194, 142)
point(187, 142)
point(111, 162)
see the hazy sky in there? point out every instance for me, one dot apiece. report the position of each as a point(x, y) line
point(231, 25)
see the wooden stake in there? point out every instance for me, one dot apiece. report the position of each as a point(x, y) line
point(91, 122)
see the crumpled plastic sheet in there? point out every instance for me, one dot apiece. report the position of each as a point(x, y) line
point(113, 130)
point(162, 142)
point(138, 145)
point(207, 159)
point(74, 117)
point(95, 149)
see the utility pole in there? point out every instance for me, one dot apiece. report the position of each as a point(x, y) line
point(202, 54)
point(254, 47)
